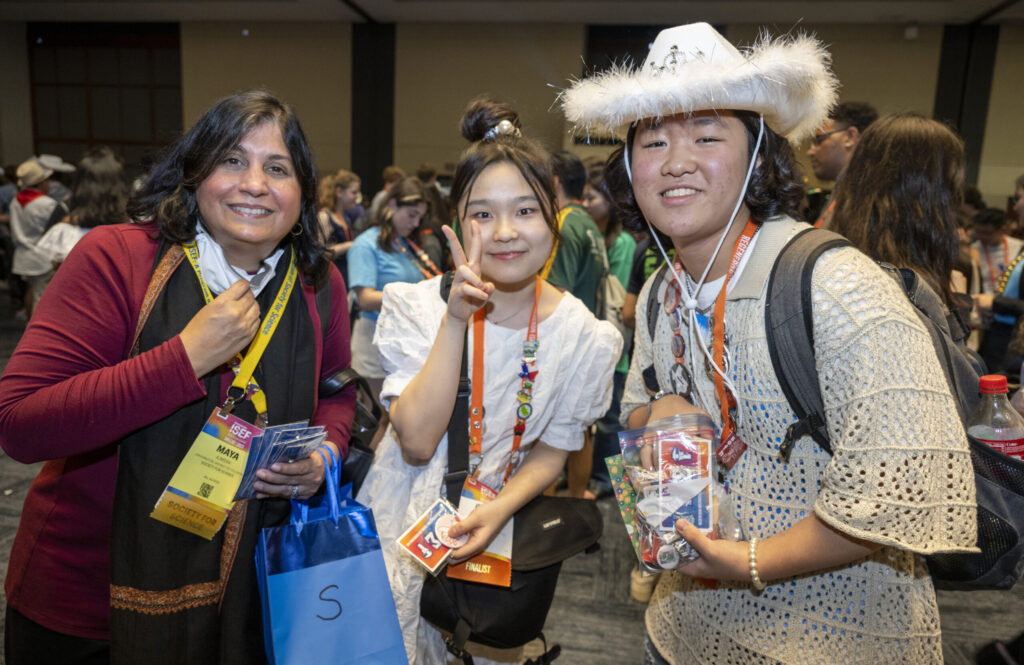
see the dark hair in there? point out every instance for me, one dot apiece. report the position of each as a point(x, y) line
point(426, 171)
point(99, 192)
point(972, 197)
point(993, 217)
point(897, 199)
point(596, 181)
point(774, 187)
point(483, 114)
point(854, 114)
point(572, 177)
point(405, 192)
point(168, 196)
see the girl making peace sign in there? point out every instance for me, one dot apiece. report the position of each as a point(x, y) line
point(505, 200)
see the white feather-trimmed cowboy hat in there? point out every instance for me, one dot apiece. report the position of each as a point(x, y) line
point(694, 68)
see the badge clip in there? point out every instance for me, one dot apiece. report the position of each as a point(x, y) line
point(230, 401)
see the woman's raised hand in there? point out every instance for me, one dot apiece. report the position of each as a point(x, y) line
point(221, 329)
point(469, 291)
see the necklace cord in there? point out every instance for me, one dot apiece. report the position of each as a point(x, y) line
point(692, 299)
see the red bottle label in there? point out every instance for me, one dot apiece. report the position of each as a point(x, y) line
point(1011, 447)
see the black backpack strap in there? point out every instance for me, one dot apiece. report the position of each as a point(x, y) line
point(789, 328)
point(458, 425)
point(649, 375)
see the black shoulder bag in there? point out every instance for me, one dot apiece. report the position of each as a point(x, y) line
point(364, 425)
point(546, 531)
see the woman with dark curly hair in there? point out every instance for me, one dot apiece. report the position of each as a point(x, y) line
point(121, 368)
point(827, 567)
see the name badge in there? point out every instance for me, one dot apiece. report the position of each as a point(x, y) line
point(202, 490)
point(494, 565)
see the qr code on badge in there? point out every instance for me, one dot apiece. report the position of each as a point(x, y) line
point(205, 489)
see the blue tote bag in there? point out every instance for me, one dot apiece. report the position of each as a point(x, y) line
point(324, 588)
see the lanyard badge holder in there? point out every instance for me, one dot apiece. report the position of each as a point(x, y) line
point(200, 494)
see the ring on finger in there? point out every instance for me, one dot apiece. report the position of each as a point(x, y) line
point(295, 491)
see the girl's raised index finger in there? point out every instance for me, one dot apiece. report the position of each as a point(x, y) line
point(458, 256)
point(475, 244)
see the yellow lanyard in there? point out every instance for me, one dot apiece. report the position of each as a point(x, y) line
point(244, 367)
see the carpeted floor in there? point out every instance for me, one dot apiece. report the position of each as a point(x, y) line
point(593, 618)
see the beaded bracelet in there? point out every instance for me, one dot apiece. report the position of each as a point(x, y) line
point(755, 581)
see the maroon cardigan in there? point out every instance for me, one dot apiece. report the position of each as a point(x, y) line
point(69, 394)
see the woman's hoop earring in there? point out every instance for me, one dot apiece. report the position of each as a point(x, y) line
point(299, 232)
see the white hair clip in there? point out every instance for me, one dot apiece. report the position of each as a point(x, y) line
point(503, 127)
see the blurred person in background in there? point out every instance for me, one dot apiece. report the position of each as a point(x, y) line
point(387, 252)
point(59, 189)
point(30, 212)
point(440, 214)
point(832, 146)
point(620, 248)
point(390, 175)
point(995, 248)
point(1003, 306)
point(335, 197)
point(99, 194)
point(898, 201)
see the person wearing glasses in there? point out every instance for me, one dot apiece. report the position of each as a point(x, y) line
point(833, 144)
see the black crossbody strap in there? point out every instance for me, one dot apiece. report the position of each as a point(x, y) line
point(458, 426)
point(789, 328)
point(458, 438)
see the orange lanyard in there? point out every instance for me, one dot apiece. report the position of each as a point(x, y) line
point(821, 220)
point(718, 331)
point(524, 398)
point(1006, 259)
point(419, 259)
point(339, 221)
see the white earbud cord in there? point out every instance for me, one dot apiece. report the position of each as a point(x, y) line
point(691, 300)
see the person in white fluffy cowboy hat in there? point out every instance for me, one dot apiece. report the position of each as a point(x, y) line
point(828, 568)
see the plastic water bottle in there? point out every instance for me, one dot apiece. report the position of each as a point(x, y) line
point(995, 422)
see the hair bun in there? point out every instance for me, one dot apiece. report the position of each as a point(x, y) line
point(485, 113)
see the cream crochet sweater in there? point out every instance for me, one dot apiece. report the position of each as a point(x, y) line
point(901, 476)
